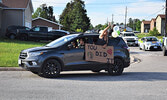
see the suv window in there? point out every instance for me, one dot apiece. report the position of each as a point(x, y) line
point(79, 42)
point(113, 41)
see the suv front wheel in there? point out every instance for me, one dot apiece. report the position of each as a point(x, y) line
point(51, 68)
point(116, 68)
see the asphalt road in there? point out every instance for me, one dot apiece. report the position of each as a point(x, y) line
point(146, 80)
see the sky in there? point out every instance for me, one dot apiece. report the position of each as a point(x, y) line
point(101, 11)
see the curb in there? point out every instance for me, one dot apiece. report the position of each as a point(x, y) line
point(133, 60)
point(11, 69)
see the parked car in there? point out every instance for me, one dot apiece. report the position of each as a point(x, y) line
point(165, 46)
point(41, 33)
point(62, 55)
point(150, 43)
point(130, 38)
point(11, 31)
point(60, 33)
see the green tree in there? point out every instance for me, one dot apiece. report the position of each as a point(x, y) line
point(91, 27)
point(44, 12)
point(99, 27)
point(37, 13)
point(74, 16)
point(130, 24)
point(154, 32)
point(138, 25)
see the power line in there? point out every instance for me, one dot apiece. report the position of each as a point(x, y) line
point(155, 12)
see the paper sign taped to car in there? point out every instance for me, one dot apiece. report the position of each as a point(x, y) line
point(99, 54)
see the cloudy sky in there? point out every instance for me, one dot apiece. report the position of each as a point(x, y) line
point(101, 10)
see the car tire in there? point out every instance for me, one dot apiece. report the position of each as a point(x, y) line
point(164, 51)
point(51, 68)
point(116, 68)
point(12, 36)
point(144, 49)
point(140, 48)
point(34, 72)
point(24, 37)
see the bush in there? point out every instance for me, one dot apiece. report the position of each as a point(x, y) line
point(79, 30)
point(154, 32)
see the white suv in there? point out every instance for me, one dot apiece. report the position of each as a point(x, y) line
point(130, 38)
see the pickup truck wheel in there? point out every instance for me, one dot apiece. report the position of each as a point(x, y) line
point(51, 68)
point(116, 68)
point(24, 37)
point(12, 36)
point(164, 51)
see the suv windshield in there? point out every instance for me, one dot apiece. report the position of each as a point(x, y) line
point(151, 39)
point(129, 34)
point(61, 41)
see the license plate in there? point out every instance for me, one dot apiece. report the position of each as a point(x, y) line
point(155, 47)
point(19, 62)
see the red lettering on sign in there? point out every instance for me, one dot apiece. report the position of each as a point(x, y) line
point(109, 51)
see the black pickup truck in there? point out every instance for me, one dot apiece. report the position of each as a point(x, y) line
point(40, 33)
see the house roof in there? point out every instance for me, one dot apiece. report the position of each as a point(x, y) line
point(47, 21)
point(16, 3)
point(161, 15)
point(146, 22)
point(153, 19)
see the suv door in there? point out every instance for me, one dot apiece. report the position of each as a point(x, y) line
point(74, 54)
point(75, 57)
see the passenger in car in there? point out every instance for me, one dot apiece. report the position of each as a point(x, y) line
point(103, 37)
point(74, 44)
point(81, 43)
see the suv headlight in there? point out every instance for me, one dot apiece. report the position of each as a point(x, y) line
point(35, 53)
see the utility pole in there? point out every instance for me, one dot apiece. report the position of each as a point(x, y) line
point(125, 16)
point(165, 20)
point(112, 18)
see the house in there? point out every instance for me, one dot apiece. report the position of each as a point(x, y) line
point(44, 22)
point(145, 26)
point(15, 12)
point(153, 23)
point(160, 23)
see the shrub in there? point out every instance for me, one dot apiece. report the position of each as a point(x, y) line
point(79, 30)
point(154, 32)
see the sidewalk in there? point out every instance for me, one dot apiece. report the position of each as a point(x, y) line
point(133, 60)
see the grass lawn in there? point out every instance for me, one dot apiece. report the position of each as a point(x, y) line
point(10, 50)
